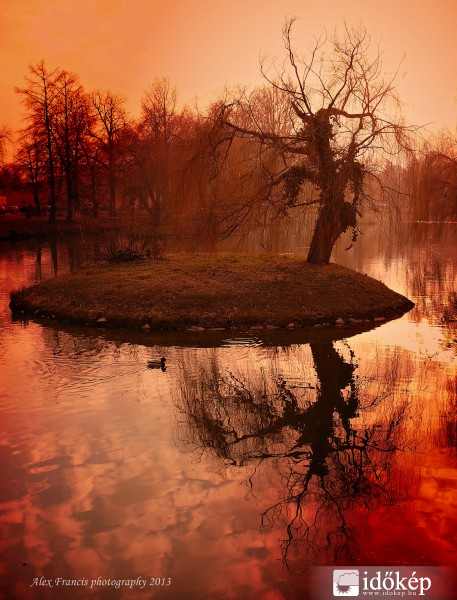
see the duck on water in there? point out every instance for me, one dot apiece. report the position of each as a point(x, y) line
point(157, 364)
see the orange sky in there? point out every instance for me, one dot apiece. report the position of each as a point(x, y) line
point(203, 44)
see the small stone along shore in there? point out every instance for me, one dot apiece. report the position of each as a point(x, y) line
point(212, 293)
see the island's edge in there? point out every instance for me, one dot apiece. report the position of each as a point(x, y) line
point(22, 307)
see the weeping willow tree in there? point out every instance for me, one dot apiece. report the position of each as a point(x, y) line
point(343, 119)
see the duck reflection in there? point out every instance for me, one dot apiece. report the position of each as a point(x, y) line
point(317, 448)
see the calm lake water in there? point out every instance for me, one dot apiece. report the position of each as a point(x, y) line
point(247, 462)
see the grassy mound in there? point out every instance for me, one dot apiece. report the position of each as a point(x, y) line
point(209, 291)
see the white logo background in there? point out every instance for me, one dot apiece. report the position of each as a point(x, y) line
point(345, 582)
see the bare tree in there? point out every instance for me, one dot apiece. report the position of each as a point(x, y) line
point(5, 135)
point(159, 108)
point(32, 162)
point(343, 117)
point(72, 123)
point(40, 97)
point(93, 166)
point(112, 122)
point(156, 133)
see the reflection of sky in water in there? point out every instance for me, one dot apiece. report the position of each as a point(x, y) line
point(420, 338)
point(113, 469)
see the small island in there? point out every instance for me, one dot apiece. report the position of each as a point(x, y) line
point(208, 291)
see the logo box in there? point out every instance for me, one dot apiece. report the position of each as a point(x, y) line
point(346, 582)
point(405, 582)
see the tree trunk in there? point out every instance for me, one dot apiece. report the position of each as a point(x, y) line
point(112, 182)
point(54, 256)
point(326, 231)
point(93, 191)
point(36, 200)
point(52, 183)
point(333, 220)
point(75, 179)
point(69, 182)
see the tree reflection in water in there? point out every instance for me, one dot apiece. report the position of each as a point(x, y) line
point(318, 452)
point(447, 433)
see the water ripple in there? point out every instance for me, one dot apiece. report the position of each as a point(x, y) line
point(244, 342)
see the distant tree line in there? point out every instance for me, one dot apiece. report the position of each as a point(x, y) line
point(322, 135)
